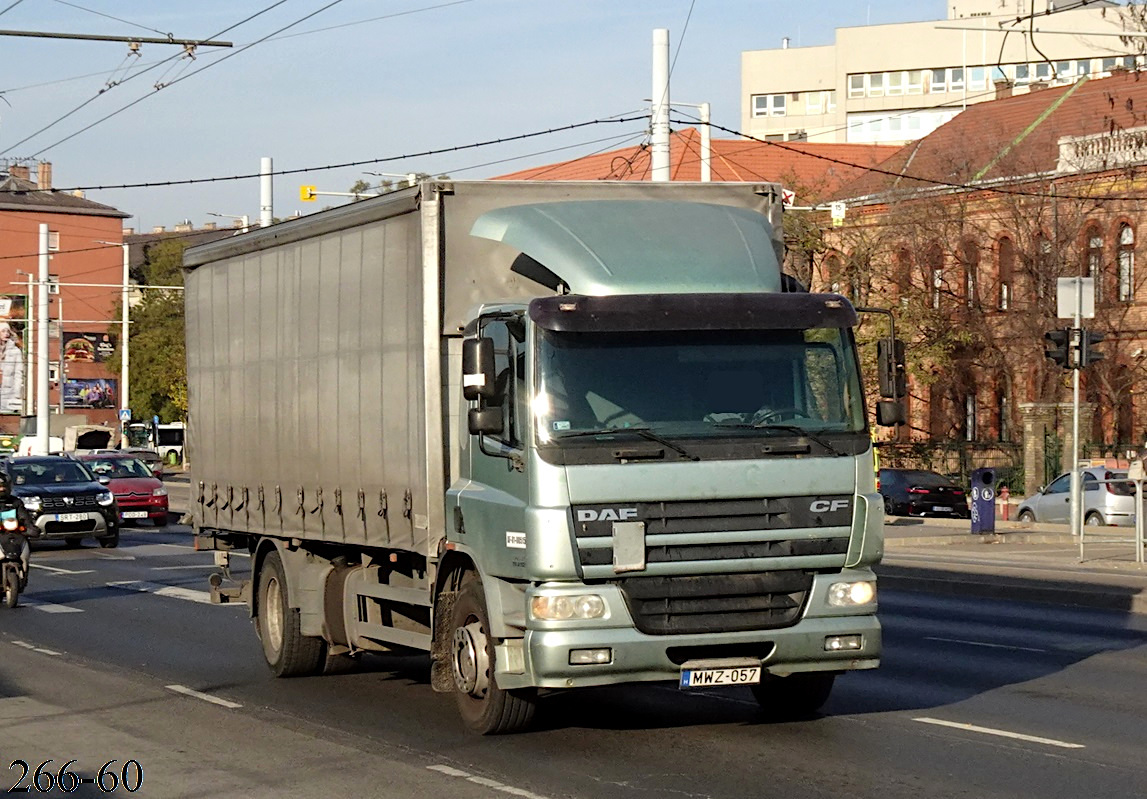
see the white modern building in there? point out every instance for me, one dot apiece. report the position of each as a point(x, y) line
point(890, 84)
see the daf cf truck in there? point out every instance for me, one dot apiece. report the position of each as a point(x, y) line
point(555, 434)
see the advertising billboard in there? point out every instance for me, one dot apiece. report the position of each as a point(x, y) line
point(88, 347)
point(13, 313)
point(91, 393)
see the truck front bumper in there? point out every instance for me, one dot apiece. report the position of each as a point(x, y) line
point(637, 657)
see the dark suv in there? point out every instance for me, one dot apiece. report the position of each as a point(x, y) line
point(64, 499)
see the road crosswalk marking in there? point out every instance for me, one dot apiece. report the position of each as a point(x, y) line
point(191, 595)
point(49, 607)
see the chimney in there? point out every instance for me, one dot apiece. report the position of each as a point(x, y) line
point(19, 171)
point(1003, 89)
point(44, 176)
point(210, 225)
point(1036, 85)
point(159, 229)
point(129, 231)
point(785, 43)
point(184, 227)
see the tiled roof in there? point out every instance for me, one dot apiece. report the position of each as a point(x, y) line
point(18, 194)
point(810, 168)
point(1012, 137)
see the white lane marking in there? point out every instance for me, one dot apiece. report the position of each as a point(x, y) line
point(178, 568)
point(450, 771)
point(49, 607)
point(191, 595)
point(1002, 733)
point(34, 648)
point(109, 556)
point(183, 689)
point(983, 643)
point(58, 570)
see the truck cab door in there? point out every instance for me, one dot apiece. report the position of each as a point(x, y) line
point(493, 504)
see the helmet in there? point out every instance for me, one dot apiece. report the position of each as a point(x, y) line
point(5, 485)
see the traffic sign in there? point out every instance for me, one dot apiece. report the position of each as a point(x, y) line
point(788, 198)
point(125, 414)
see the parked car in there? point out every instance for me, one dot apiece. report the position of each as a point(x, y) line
point(916, 492)
point(138, 492)
point(64, 499)
point(1104, 503)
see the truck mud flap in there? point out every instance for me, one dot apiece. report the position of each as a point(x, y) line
point(441, 672)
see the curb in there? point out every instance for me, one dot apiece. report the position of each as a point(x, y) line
point(994, 586)
point(995, 538)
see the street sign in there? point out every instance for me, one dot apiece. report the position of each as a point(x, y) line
point(788, 197)
point(838, 211)
point(307, 193)
point(1072, 290)
point(125, 414)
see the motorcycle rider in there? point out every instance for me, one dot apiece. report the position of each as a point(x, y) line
point(14, 526)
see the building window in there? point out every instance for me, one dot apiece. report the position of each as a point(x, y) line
point(970, 417)
point(777, 105)
point(1023, 74)
point(1003, 413)
point(1063, 70)
point(1094, 260)
point(829, 101)
point(895, 84)
point(760, 105)
point(1126, 263)
point(1005, 267)
point(814, 103)
point(53, 241)
point(1042, 70)
point(956, 79)
point(978, 78)
point(876, 84)
point(970, 261)
point(934, 269)
point(938, 84)
point(855, 85)
point(771, 105)
point(915, 82)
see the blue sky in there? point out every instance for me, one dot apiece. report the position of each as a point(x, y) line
point(346, 86)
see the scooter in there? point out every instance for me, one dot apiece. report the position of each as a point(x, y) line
point(14, 556)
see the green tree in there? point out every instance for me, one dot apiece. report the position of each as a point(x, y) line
point(158, 353)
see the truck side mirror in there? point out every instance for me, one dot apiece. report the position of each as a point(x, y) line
point(478, 369)
point(889, 413)
point(485, 421)
point(891, 374)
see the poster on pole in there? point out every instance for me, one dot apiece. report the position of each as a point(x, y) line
point(13, 314)
point(88, 347)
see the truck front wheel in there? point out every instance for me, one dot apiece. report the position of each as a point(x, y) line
point(289, 653)
point(794, 696)
point(485, 708)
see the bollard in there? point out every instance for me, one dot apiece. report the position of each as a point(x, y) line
point(1004, 493)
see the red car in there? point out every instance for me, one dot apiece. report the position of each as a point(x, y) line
point(138, 492)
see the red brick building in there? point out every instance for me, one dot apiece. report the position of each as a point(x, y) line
point(78, 228)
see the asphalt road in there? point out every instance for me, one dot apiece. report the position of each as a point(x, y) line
point(978, 698)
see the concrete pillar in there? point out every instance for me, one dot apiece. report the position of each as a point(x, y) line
point(1037, 418)
point(1086, 416)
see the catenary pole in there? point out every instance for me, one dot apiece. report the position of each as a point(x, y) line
point(42, 439)
point(659, 130)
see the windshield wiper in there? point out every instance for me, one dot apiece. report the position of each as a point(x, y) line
point(644, 432)
point(782, 428)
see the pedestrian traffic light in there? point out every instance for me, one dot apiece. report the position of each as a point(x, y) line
point(1059, 351)
point(1087, 353)
point(892, 375)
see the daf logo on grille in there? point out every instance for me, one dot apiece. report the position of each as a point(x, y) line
point(68, 501)
point(606, 514)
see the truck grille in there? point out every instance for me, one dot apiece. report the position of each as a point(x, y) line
point(716, 565)
point(716, 603)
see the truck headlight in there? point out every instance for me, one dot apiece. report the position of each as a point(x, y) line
point(861, 592)
point(105, 498)
point(33, 504)
point(562, 607)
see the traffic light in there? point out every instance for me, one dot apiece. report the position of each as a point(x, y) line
point(1087, 342)
point(892, 376)
point(1060, 349)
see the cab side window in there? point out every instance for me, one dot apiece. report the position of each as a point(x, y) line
point(510, 377)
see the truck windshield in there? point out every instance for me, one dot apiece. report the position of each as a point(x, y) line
point(698, 384)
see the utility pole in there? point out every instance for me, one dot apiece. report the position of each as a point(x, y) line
point(659, 130)
point(42, 439)
point(266, 196)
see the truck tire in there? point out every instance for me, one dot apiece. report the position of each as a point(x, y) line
point(485, 708)
point(288, 652)
point(795, 696)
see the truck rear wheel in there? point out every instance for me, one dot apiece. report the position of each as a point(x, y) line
point(485, 708)
point(794, 696)
point(289, 653)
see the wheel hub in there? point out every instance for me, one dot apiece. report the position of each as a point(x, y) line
point(471, 665)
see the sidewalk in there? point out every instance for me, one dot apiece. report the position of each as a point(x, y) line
point(1023, 561)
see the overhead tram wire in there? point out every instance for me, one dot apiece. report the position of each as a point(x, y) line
point(117, 19)
point(9, 8)
point(363, 162)
point(157, 64)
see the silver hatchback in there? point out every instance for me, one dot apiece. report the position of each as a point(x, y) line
point(1105, 499)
